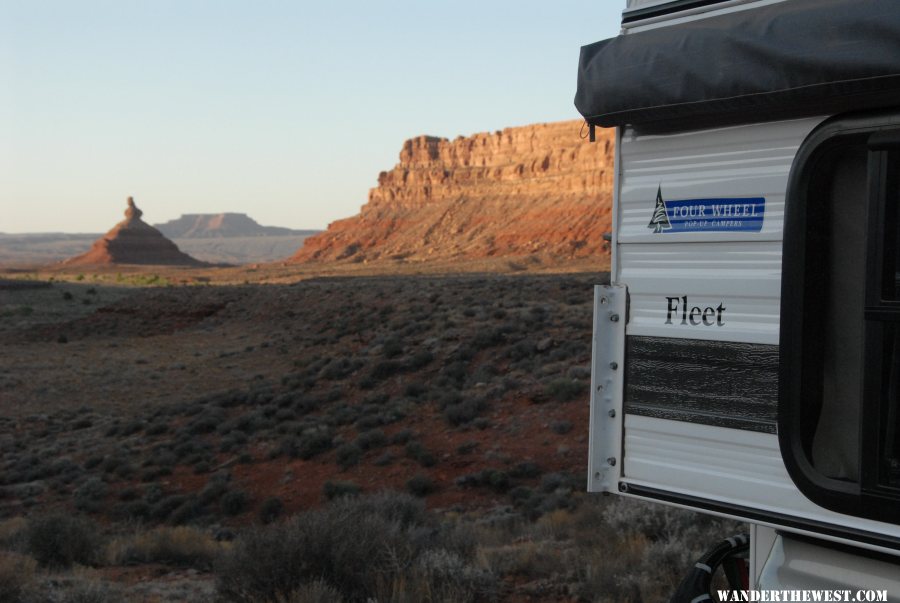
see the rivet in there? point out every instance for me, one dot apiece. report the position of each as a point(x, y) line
point(612, 412)
point(614, 317)
point(613, 365)
point(612, 461)
point(623, 487)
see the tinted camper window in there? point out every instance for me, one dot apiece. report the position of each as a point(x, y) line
point(839, 396)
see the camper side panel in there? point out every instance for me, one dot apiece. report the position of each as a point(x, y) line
point(699, 222)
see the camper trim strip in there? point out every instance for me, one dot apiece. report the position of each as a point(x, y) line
point(607, 387)
point(806, 526)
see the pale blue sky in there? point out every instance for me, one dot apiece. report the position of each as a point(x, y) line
point(284, 110)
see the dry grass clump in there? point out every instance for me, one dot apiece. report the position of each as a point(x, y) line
point(181, 546)
point(12, 533)
point(17, 577)
point(383, 546)
point(317, 591)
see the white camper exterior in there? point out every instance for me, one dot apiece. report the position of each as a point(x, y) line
point(700, 370)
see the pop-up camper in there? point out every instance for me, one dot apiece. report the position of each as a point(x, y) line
point(746, 357)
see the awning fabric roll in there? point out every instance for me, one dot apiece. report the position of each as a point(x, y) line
point(793, 58)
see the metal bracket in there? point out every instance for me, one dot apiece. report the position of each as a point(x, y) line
point(607, 383)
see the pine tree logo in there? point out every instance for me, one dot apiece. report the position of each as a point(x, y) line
point(660, 220)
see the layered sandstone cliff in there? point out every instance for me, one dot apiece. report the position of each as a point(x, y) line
point(539, 189)
point(133, 241)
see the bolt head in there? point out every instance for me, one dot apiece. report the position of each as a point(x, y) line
point(613, 365)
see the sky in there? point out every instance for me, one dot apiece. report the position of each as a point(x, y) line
point(284, 110)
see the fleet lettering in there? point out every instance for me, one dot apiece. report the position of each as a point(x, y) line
point(696, 315)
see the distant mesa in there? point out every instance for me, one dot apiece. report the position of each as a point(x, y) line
point(133, 241)
point(224, 225)
point(538, 190)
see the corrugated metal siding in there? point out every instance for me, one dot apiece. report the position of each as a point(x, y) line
point(732, 466)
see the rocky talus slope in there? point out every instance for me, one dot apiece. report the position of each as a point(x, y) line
point(133, 241)
point(538, 190)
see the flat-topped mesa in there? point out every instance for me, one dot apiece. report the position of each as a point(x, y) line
point(532, 189)
point(221, 225)
point(133, 241)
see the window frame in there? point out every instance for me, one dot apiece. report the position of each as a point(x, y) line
point(800, 370)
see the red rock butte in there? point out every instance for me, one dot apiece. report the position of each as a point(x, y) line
point(133, 241)
point(538, 189)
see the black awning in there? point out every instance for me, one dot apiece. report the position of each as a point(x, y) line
point(792, 58)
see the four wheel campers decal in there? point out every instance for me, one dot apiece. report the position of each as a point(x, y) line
point(726, 214)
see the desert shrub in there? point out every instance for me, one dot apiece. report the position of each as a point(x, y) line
point(561, 427)
point(89, 496)
point(132, 510)
point(391, 348)
point(415, 389)
point(647, 548)
point(153, 473)
point(12, 533)
point(418, 361)
point(270, 509)
point(340, 369)
point(564, 390)
point(343, 414)
point(481, 423)
point(384, 459)
point(317, 591)
point(337, 489)
point(312, 443)
point(157, 428)
point(442, 575)
point(416, 450)
point(455, 373)
point(233, 440)
point(467, 447)
point(465, 411)
point(367, 547)
point(369, 440)
point(552, 482)
point(486, 478)
point(180, 546)
point(525, 469)
point(234, 502)
point(58, 541)
point(487, 338)
point(17, 580)
point(348, 455)
point(384, 369)
point(86, 590)
point(164, 507)
point(420, 485)
point(370, 421)
point(190, 509)
point(402, 437)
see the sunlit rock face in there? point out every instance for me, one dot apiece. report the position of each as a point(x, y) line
point(133, 241)
point(540, 189)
